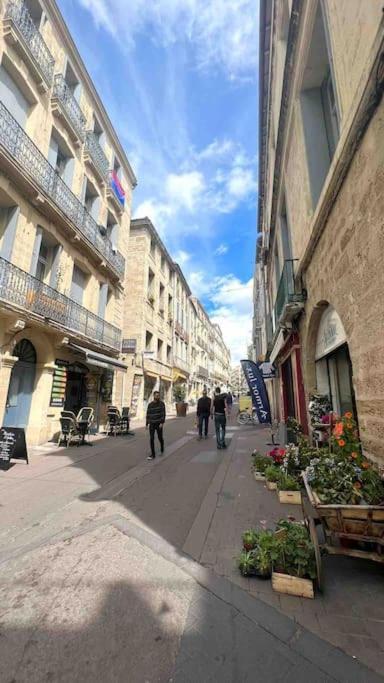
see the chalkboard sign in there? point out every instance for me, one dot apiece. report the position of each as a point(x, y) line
point(12, 446)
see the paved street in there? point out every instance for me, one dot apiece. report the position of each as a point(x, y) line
point(123, 570)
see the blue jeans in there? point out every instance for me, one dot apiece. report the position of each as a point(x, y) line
point(203, 420)
point(220, 422)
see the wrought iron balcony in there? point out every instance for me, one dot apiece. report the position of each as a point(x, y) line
point(290, 295)
point(32, 162)
point(203, 372)
point(21, 289)
point(96, 156)
point(181, 364)
point(17, 18)
point(64, 102)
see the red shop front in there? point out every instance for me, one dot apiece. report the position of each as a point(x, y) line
point(292, 396)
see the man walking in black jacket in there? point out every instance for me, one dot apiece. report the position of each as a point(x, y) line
point(155, 421)
point(203, 412)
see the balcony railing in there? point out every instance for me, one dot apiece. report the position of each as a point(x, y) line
point(290, 295)
point(64, 94)
point(17, 11)
point(22, 289)
point(31, 160)
point(181, 364)
point(99, 160)
point(203, 372)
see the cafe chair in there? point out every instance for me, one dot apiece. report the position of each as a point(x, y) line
point(114, 421)
point(84, 422)
point(69, 430)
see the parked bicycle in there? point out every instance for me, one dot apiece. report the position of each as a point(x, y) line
point(246, 417)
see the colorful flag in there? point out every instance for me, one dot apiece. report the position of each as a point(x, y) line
point(116, 187)
point(258, 391)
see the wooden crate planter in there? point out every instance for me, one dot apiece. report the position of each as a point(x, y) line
point(292, 585)
point(271, 485)
point(292, 497)
point(258, 476)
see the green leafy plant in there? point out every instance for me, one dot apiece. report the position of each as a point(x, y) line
point(335, 480)
point(247, 563)
point(179, 393)
point(250, 539)
point(294, 426)
point(372, 486)
point(345, 439)
point(261, 462)
point(266, 552)
point(296, 554)
point(272, 473)
point(288, 483)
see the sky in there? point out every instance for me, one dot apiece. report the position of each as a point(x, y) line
point(179, 81)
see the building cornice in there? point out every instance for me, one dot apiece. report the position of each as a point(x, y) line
point(146, 224)
point(60, 26)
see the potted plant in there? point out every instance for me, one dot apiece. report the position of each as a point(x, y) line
point(294, 430)
point(259, 465)
point(272, 475)
point(250, 539)
point(179, 393)
point(246, 563)
point(295, 565)
point(289, 489)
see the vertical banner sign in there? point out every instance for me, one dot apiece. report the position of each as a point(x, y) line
point(258, 391)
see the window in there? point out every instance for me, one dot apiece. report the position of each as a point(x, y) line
point(45, 258)
point(285, 232)
point(8, 225)
point(112, 229)
point(161, 298)
point(61, 159)
point(151, 286)
point(319, 108)
point(42, 262)
point(117, 168)
point(98, 132)
point(153, 249)
point(162, 263)
point(104, 294)
point(170, 306)
point(159, 349)
point(148, 341)
point(169, 353)
point(92, 199)
point(72, 81)
point(12, 97)
point(79, 283)
point(35, 11)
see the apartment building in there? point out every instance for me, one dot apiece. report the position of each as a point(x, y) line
point(65, 198)
point(220, 374)
point(202, 354)
point(181, 330)
point(149, 327)
point(321, 205)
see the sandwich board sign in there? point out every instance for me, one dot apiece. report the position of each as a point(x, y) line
point(12, 446)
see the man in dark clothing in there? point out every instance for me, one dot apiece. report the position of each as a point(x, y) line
point(203, 412)
point(219, 412)
point(155, 421)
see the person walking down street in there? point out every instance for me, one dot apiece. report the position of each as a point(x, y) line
point(203, 412)
point(229, 403)
point(155, 422)
point(219, 413)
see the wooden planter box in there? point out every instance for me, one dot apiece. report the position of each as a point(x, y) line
point(271, 485)
point(291, 585)
point(292, 497)
point(258, 476)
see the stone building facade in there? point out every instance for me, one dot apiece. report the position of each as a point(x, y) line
point(321, 206)
point(169, 341)
point(65, 198)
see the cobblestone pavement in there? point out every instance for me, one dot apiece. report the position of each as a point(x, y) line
point(102, 572)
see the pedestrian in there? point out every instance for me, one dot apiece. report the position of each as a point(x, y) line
point(155, 422)
point(229, 402)
point(202, 413)
point(219, 413)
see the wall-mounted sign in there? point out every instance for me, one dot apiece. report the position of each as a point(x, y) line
point(331, 333)
point(59, 384)
point(136, 387)
point(268, 370)
point(128, 346)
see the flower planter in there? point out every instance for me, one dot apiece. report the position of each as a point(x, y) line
point(258, 476)
point(292, 585)
point(292, 497)
point(181, 409)
point(271, 485)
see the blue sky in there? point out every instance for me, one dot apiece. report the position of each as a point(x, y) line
point(179, 81)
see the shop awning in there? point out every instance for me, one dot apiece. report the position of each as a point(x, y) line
point(99, 359)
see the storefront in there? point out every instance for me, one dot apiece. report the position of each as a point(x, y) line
point(333, 363)
point(286, 392)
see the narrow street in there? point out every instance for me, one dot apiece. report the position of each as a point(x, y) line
point(122, 569)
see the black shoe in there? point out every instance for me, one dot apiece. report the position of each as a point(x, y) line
point(206, 436)
point(219, 447)
point(151, 457)
point(224, 445)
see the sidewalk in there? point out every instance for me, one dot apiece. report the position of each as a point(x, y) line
point(350, 611)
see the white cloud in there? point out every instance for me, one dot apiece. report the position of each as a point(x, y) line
point(181, 257)
point(222, 33)
point(184, 189)
point(221, 249)
point(241, 182)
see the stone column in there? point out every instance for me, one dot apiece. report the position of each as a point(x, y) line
point(6, 364)
point(41, 424)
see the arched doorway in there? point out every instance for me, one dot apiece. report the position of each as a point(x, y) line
point(333, 363)
point(21, 385)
